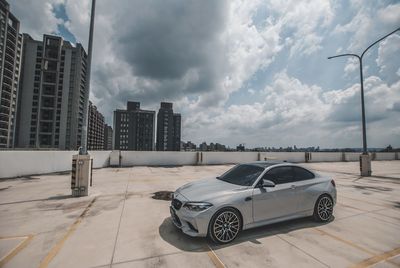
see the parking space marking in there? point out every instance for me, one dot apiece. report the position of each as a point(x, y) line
point(378, 258)
point(354, 245)
point(305, 252)
point(214, 258)
point(15, 250)
point(57, 247)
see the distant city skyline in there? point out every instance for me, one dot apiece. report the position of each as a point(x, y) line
point(251, 72)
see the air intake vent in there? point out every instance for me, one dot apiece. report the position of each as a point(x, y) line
point(176, 204)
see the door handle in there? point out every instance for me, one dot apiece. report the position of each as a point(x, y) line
point(293, 187)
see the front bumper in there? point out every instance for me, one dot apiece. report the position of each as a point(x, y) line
point(190, 222)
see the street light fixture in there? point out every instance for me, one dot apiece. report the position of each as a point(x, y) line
point(365, 159)
point(82, 163)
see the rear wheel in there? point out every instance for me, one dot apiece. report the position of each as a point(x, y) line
point(225, 226)
point(323, 209)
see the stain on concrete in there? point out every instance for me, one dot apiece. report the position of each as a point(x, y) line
point(163, 195)
point(374, 188)
point(29, 179)
point(133, 194)
point(396, 204)
point(5, 188)
point(66, 208)
point(103, 204)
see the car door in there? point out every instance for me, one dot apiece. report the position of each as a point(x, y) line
point(275, 202)
point(305, 183)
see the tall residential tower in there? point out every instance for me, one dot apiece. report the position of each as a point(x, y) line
point(168, 129)
point(95, 129)
point(134, 128)
point(108, 138)
point(52, 94)
point(10, 68)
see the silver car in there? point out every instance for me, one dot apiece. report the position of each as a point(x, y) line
point(251, 195)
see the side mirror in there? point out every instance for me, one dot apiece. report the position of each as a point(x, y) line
point(268, 183)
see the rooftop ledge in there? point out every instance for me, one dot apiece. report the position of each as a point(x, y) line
point(23, 163)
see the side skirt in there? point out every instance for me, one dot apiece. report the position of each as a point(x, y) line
point(275, 220)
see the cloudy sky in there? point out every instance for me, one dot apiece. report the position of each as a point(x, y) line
point(239, 71)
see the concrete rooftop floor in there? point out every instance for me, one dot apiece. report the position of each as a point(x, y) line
point(121, 225)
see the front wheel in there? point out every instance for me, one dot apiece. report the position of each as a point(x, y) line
point(323, 209)
point(225, 226)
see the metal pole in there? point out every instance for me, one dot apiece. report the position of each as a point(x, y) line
point(83, 148)
point(364, 131)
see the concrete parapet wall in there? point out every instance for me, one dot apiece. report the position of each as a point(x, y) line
point(385, 156)
point(214, 158)
point(154, 158)
point(100, 158)
point(351, 157)
point(294, 157)
point(326, 157)
point(23, 163)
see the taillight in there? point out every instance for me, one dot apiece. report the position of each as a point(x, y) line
point(333, 183)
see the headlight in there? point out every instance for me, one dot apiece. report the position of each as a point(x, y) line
point(197, 206)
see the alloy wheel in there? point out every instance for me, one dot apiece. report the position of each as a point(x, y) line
point(226, 226)
point(325, 208)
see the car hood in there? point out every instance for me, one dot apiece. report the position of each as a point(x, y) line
point(207, 189)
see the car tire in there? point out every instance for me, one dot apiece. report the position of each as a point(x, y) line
point(323, 209)
point(225, 226)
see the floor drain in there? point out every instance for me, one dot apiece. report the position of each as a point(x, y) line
point(163, 195)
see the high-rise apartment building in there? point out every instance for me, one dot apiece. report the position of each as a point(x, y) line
point(108, 137)
point(168, 128)
point(10, 68)
point(134, 128)
point(95, 129)
point(52, 94)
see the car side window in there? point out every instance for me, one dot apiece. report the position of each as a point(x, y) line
point(280, 175)
point(302, 174)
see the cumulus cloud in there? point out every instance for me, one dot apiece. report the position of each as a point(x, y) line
point(201, 54)
point(302, 19)
point(351, 65)
point(292, 112)
point(152, 51)
point(37, 18)
point(368, 24)
point(386, 60)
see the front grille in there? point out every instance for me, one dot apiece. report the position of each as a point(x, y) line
point(176, 204)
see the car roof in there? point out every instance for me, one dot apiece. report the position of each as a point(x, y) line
point(265, 164)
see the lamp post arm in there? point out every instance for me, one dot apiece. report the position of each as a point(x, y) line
point(344, 55)
point(377, 41)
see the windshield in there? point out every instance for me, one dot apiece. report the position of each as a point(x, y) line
point(244, 175)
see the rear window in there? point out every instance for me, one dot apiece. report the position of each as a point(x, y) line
point(302, 174)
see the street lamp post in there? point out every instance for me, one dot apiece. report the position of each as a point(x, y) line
point(365, 159)
point(84, 138)
point(81, 174)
